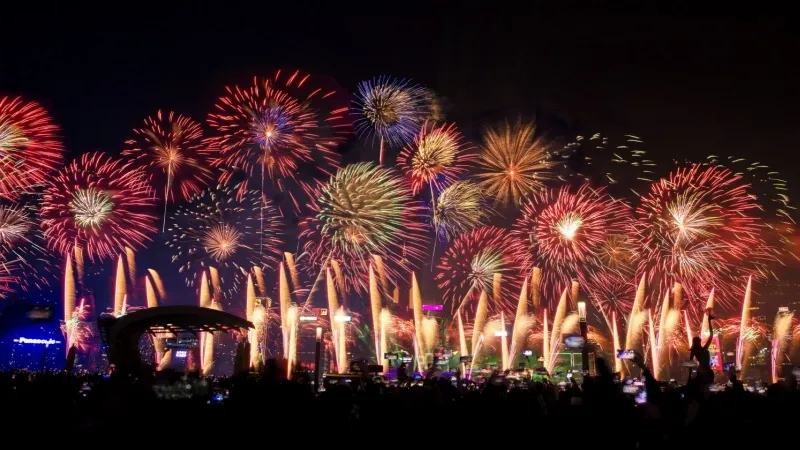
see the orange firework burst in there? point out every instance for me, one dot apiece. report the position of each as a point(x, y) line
point(514, 162)
point(170, 147)
point(275, 127)
point(100, 204)
point(29, 146)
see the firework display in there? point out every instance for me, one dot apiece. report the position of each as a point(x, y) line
point(273, 128)
point(219, 229)
point(514, 162)
point(564, 231)
point(699, 226)
point(392, 110)
point(514, 225)
point(471, 262)
point(170, 147)
point(29, 146)
point(437, 158)
point(460, 207)
point(365, 210)
point(100, 204)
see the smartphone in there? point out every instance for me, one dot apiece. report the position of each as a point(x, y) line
point(641, 396)
point(626, 354)
point(690, 364)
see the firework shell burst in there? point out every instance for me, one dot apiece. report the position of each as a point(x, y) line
point(459, 208)
point(22, 245)
point(470, 263)
point(515, 162)
point(220, 229)
point(391, 109)
point(100, 204)
point(365, 210)
point(280, 125)
point(170, 147)
point(564, 231)
point(437, 157)
point(699, 226)
point(29, 146)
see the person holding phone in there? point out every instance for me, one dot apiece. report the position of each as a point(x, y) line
point(705, 375)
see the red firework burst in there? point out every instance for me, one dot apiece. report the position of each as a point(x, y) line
point(99, 203)
point(610, 291)
point(29, 146)
point(471, 261)
point(699, 226)
point(277, 125)
point(564, 231)
point(436, 158)
point(170, 148)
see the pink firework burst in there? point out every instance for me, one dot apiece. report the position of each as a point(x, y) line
point(272, 129)
point(699, 226)
point(470, 263)
point(564, 231)
point(100, 204)
point(29, 146)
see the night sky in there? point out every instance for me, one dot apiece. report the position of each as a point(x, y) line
point(688, 84)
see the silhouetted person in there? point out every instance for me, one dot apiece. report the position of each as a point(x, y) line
point(705, 375)
point(402, 374)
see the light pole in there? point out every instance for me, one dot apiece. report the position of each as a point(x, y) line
point(317, 358)
point(584, 335)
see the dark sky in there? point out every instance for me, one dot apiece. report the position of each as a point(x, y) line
point(689, 83)
point(689, 86)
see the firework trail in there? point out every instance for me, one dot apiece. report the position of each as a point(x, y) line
point(522, 324)
point(470, 263)
point(699, 227)
point(564, 231)
point(170, 147)
point(416, 306)
point(7, 277)
point(291, 357)
point(781, 337)
point(480, 320)
point(744, 324)
point(611, 293)
point(462, 338)
point(120, 287)
point(218, 230)
point(375, 307)
point(514, 162)
point(275, 129)
point(69, 292)
point(391, 109)
point(285, 302)
point(364, 211)
point(636, 319)
point(29, 146)
point(98, 203)
point(618, 366)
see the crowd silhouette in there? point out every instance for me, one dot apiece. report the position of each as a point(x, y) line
point(265, 409)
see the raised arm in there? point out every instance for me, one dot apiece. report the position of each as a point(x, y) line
point(710, 332)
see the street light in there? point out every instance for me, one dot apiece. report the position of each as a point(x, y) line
point(584, 335)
